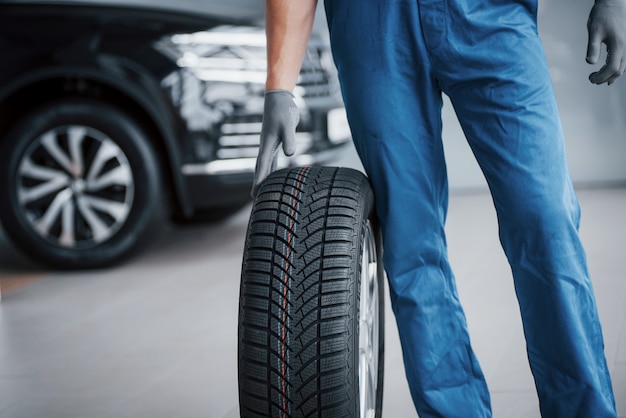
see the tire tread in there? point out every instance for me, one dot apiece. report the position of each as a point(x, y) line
point(296, 293)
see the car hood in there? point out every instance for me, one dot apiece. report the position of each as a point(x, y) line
point(238, 10)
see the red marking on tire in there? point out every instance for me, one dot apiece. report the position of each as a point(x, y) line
point(283, 336)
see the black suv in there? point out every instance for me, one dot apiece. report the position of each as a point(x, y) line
point(114, 117)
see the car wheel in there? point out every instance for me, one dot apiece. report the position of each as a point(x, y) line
point(311, 317)
point(80, 184)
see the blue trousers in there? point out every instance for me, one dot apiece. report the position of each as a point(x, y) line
point(394, 59)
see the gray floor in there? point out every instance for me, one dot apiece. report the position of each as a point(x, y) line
point(156, 337)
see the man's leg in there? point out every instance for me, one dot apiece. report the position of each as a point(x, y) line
point(394, 107)
point(501, 90)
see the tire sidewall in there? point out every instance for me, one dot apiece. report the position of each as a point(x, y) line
point(368, 212)
point(125, 132)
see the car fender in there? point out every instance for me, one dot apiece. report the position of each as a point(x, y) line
point(131, 84)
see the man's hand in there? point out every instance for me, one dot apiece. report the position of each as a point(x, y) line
point(280, 118)
point(607, 24)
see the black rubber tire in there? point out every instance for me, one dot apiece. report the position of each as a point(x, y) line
point(138, 200)
point(300, 296)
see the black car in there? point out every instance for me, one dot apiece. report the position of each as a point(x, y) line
point(115, 117)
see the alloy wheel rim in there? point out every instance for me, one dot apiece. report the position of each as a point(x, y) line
point(369, 304)
point(75, 187)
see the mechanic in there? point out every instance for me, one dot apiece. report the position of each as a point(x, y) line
point(394, 59)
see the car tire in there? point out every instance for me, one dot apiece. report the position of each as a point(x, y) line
point(311, 316)
point(79, 184)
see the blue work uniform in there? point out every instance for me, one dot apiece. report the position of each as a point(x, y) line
point(394, 59)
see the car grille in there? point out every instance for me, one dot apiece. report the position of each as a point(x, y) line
point(239, 137)
point(219, 87)
point(314, 79)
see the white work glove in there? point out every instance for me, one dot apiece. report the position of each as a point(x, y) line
point(280, 118)
point(607, 24)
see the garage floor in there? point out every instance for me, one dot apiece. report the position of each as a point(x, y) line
point(156, 337)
